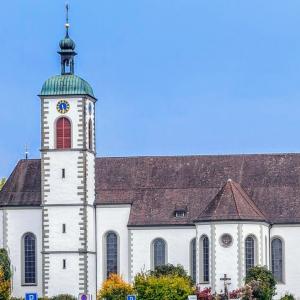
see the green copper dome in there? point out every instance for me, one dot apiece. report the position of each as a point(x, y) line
point(66, 84)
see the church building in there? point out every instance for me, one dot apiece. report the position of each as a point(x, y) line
point(69, 219)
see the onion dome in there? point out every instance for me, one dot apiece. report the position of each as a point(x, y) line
point(67, 44)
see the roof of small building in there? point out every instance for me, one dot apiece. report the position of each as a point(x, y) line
point(156, 186)
point(66, 84)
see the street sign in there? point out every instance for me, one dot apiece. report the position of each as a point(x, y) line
point(192, 297)
point(31, 296)
point(84, 297)
point(131, 297)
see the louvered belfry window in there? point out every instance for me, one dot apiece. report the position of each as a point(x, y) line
point(63, 133)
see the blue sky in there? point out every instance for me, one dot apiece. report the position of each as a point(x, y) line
point(173, 77)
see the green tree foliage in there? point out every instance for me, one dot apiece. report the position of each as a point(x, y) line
point(165, 287)
point(171, 270)
point(114, 288)
point(265, 287)
point(5, 275)
point(2, 182)
point(288, 297)
point(63, 297)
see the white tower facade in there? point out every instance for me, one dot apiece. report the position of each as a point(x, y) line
point(68, 180)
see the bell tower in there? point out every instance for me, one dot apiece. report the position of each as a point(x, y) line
point(68, 179)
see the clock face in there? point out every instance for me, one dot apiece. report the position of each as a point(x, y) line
point(63, 106)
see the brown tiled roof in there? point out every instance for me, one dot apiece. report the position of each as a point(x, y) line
point(156, 186)
point(231, 203)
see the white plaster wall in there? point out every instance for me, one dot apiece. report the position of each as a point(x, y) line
point(91, 229)
point(178, 246)
point(57, 282)
point(226, 259)
point(21, 221)
point(90, 178)
point(63, 190)
point(1, 228)
point(53, 114)
point(112, 218)
point(291, 238)
point(92, 285)
point(231, 260)
point(59, 215)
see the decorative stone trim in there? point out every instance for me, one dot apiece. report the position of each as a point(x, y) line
point(213, 256)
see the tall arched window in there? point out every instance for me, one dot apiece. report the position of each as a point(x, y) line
point(159, 253)
point(277, 259)
point(90, 135)
point(111, 253)
point(193, 259)
point(249, 253)
point(63, 133)
point(204, 259)
point(29, 258)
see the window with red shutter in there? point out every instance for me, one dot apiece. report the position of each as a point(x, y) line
point(63, 133)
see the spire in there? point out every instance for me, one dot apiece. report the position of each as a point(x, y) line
point(67, 47)
point(67, 25)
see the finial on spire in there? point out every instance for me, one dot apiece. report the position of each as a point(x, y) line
point(26, 152)
point(67, 25)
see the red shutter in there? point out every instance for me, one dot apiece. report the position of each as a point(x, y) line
point(63, 133)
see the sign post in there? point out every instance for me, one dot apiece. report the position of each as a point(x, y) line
point(31, 296)
point(131, 297)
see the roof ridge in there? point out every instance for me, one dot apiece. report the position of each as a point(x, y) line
point(231, 182)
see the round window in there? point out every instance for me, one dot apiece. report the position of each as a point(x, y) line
point(226, 240)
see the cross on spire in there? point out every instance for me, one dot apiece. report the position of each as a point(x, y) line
point(67, 25)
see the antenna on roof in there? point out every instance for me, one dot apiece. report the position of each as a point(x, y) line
point(26, 152)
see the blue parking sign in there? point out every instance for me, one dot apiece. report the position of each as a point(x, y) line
point(31, 296)
point(131, 297)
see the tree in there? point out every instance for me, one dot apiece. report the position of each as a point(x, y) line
point(114, 288)
point(169, 269)
point(265, 283)
point(2, 182)
point(5, 275)
point(166, 287)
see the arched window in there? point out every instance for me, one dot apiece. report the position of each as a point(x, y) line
point(193, 259)
point(277, 259)
point(111, 253)
point(90, 135)
point(249, 253)
point(159, 253)
point(63, 133)
point(204, 259)
point(29, 258)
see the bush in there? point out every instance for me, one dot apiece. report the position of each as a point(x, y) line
point(288, 297)
point(5, 275)
point(114, 288)
point(166, 287)
point(172, 270)
point(265, 283)
point(63, 297)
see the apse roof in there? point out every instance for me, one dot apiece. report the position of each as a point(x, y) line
point(156, 186)
point(231, 203)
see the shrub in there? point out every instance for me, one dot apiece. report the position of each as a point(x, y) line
point(63, 297)
point(288, 296)
point(114, 288)
point(5, 275)
point(262, 282)
point(166, 287)
point(172, 270)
